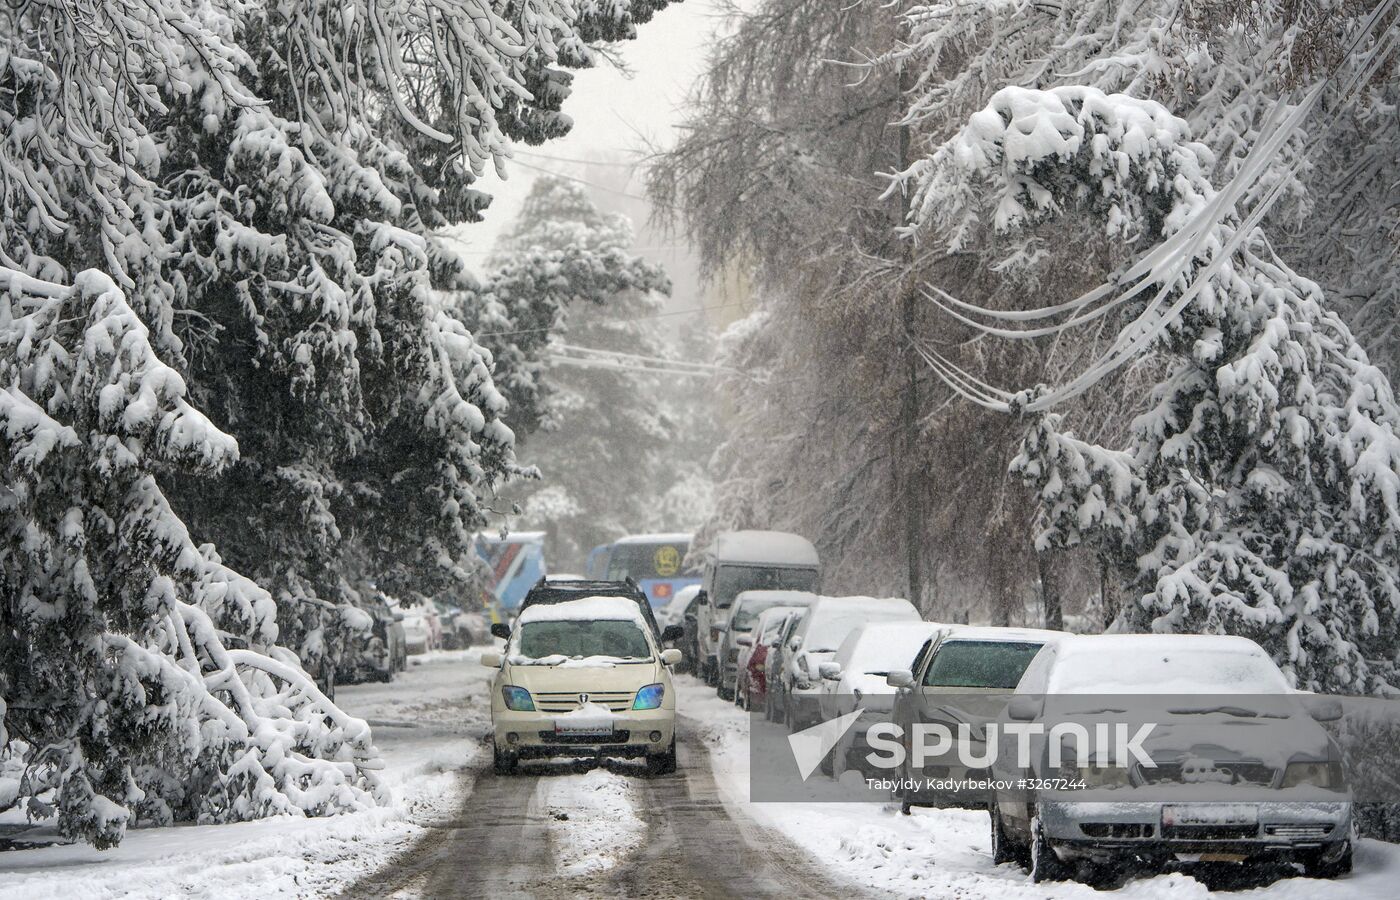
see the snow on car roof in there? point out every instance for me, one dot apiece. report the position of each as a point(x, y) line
point(678, 537)
point(584, 609)
point(998, 633)
point(777, 548)
point(685, 595)
point(787, 598)
point(1164, 664)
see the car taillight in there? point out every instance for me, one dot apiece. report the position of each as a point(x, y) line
point(662, 590)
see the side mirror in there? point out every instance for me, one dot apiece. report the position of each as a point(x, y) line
point(491, 659)
point(672, 633)
point(1324, 709)
point(398, 615)
point(900, 678)
point(670, 656)
point(744, 640)
point(829, 671)
point(795, 644)
point(500, 630)
point(702, 598)
point(1023, 709)
point(719, 626)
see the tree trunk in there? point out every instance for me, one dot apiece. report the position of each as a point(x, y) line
point(914, 490)
point(1051, 599)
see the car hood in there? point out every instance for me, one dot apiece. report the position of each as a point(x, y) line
point(551, 679)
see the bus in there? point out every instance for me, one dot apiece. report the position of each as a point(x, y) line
point(654, 561)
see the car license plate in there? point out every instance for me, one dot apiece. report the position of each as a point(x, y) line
point(1211, 814)
point(582, 732)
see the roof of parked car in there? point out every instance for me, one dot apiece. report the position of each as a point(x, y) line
point(997, 633)
point(1164, 663)
point(777, 548)
point(584, 609)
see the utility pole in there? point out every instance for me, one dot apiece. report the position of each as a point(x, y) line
point(913, 489)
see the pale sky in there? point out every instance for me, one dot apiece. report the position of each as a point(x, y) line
point(615, 114)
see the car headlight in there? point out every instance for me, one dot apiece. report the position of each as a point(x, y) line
point(649, 697)
point(517, 698)
point(1317, 774)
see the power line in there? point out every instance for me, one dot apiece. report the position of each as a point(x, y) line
point(586, 183)
point(679, 312)
point(614, 355)
point(582, 162)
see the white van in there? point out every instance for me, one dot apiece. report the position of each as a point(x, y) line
point(740, 561)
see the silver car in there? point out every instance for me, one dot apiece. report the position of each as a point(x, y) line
point(1236, 767)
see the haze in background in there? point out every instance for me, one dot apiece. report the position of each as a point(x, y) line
point(617, 115)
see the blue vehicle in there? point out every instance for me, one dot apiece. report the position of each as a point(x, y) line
point(516, 563)
point(653, 561)
point(598, 561)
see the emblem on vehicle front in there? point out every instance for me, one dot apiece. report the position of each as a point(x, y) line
point(582, 699)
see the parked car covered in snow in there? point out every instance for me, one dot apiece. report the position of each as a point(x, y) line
point(740, 561)
point(380, 651)
point(774, 696)
point(856, 677)
point(738, 631)
point(1246, 777)
point(816, 640)
point(583, 677)
point(963, 663)
point(751, 688)
point(422, 629)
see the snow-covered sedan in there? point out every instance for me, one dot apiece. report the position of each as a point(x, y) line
point(857, 678)
point(1235, 767)
point(583, 677)
point(738, 633)
point(816, 640)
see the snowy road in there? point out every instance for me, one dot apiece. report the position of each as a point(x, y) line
point(548, 832)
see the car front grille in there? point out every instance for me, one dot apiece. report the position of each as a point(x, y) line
point(617, 737)
point(1228, 773)
point(568, 701)
point(1304, 832)
point(1209, 832)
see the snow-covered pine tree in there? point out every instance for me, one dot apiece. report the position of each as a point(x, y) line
point(117, 686)
point(1259, 494)
point(261, 182)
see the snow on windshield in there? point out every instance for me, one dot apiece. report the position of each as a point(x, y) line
point(830, 625)
point(880, 649)
point(1176, 664)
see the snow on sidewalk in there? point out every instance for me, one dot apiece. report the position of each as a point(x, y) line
point(428, 722)
point(947, 853)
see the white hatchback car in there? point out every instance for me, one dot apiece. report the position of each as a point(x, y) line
point(583, 678)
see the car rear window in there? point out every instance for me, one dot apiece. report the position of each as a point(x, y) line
point(980, 664)
point(581, 639)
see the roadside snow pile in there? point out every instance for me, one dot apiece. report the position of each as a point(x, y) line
point(428, 725)
point(593, 821)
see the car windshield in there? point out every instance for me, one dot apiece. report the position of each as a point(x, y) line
point(646, 561)
point(745, 618)
point(730, 581)
point(616, 638)
point(980, 664)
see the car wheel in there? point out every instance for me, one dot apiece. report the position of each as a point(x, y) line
point(1315, 864)
point(663, 763)
point(1004, 850)
point(1045, 865)
point(503, 763)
